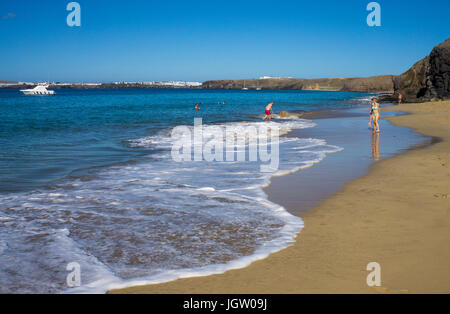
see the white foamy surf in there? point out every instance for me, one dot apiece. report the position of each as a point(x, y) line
point(151, 221)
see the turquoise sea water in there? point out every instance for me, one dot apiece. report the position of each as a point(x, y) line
point(47, 138)
point(86, 176)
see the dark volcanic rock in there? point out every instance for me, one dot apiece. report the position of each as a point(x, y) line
point(428, 79)
point(391, 98)
point(412, 83)
point(438, 78)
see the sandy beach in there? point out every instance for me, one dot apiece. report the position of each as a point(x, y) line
point(396, 215)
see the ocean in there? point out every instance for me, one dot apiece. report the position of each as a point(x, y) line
point(87, 177)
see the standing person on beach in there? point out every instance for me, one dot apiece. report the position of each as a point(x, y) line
point(371, 116)
point(269, 111)
point(400, 98)
point(376, 114)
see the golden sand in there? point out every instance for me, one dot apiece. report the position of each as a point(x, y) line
point(398, 215)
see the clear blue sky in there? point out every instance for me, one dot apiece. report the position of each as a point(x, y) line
point(142, 40)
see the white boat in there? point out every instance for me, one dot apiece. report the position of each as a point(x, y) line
point(38, 90)
point(245, 88)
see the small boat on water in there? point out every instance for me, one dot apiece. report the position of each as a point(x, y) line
point(38, 90)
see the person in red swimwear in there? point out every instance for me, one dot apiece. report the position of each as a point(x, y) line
point(269, 111)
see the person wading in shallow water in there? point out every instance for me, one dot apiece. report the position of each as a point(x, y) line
point(269, 111)
point(197, 108)
point(375, 115)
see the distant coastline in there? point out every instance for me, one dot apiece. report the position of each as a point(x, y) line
point(427, 80)
point(141, 85)
point(383, 85)
point(376, 84)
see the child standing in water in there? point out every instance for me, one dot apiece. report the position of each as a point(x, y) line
point(268, 113)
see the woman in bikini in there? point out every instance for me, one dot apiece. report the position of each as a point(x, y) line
point(375, 114)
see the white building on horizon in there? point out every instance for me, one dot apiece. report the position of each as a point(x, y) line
point(165, 83)
point(272, 77)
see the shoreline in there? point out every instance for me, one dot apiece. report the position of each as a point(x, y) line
point(325, 179)
point(340, 237)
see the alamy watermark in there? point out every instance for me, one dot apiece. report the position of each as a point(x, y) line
point(73, 279)
point(74, 17)
point(227, 144)
point(374, 18)
point(374, 277)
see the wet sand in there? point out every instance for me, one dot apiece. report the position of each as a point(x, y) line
point(396, 215)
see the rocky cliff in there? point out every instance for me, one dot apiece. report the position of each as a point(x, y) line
point(428, 79)
point(381, 84)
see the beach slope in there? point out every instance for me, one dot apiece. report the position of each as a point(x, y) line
point(397, 215)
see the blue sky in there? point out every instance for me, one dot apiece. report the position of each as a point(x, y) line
point(143, 40)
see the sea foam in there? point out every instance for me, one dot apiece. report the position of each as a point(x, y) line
point(151, 221)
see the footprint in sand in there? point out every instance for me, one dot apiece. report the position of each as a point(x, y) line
point(443, 161)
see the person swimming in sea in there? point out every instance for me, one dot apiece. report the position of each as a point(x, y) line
point(375, 115)
point(269, 111)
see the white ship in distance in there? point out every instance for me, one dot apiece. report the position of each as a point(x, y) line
point(38, 90)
